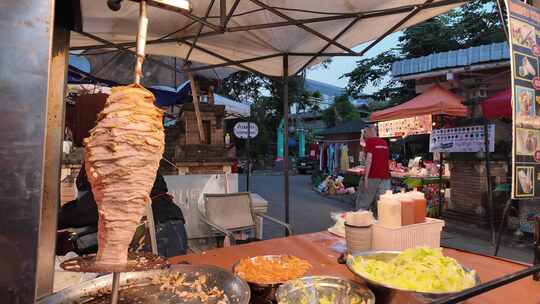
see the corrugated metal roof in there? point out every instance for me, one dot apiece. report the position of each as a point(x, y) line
point(463, 57)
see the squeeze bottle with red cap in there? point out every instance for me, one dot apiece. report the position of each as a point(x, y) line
point(407, 208)
point(420, 205)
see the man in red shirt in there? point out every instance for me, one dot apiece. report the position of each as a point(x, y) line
point(376, 175)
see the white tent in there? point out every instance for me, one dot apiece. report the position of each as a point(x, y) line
point(233, 108)
point(251, 29)
point(270, 37)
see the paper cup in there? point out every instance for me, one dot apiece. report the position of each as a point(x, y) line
point(358, 238)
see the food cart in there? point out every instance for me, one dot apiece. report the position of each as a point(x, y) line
point(36, 40)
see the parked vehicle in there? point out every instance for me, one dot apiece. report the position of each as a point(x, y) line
point(306, 165)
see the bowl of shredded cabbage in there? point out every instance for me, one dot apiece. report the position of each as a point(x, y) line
point(424, 271)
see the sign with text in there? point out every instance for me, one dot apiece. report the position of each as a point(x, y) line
point(524, 24)
point(461, 139)
point(242, 129)
point(405, 127)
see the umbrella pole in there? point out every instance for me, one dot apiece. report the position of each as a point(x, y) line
point(141, 41)
point(286, 137)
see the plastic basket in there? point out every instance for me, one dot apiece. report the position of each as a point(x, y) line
point(410, 236)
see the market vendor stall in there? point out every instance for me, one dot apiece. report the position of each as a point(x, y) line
point(322, 251)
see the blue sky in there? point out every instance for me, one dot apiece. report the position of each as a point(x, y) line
point(342, 65)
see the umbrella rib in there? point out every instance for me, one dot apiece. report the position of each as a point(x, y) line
point(122, 49)
point(303, 26)
point(231, 13)
point(411, 14)
point(200, 30)
point(365, 15)
point(343, 31)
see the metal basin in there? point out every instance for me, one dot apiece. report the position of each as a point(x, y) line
point(137, 287)
point(387, 292)
point(330, 289)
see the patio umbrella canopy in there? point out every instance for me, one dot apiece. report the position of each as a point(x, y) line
point(498, 105)
point(255, 34)
point(435, 101)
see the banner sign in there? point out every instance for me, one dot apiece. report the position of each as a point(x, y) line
point(405, 127)
point(462, 139)
point(524, 23)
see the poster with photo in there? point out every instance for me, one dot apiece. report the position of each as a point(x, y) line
point(524, 25)
point(461, 139)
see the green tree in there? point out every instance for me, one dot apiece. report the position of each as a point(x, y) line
point(473, 24)
point(342, 110)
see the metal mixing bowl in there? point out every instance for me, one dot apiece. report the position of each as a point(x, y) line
point(267, 291)
point(137, 287)
point(313, 289)
point(387, 291)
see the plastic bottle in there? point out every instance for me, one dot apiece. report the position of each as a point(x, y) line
point(420, 206)
point(407, 208)
point(389, 209)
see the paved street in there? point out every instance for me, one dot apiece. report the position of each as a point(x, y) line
point(310, 212)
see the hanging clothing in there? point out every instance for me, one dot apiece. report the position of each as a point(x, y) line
point(344, 158)
point(321, 157)
point(336, 159)
point(330, 159)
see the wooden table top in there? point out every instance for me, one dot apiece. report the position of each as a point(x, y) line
point(321, 251)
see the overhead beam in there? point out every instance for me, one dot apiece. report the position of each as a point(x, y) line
point(302, 26)
point(364, 15)
point(392, 29)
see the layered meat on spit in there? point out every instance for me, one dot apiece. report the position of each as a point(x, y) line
point(122, 156)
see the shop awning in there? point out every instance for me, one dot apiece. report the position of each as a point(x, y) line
point(498, 105)
point(255, 34)
point(435, 101)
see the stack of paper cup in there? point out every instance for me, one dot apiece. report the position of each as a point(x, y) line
point(358, 231)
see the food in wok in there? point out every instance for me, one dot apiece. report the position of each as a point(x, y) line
point(271, 269)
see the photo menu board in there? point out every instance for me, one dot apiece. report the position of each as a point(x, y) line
point(405, 127)
point(524, 29)
point(461, 139)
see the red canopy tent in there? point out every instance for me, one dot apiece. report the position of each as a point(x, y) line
point(435, 101)
point(498, 105)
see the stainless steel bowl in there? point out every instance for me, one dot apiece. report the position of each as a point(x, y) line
point(139, 285)
point(386, 291)
point(266, 291)
point(313, 289)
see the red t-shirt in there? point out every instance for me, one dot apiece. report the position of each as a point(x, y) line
point(379, 159)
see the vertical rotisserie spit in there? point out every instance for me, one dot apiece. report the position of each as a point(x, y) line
point(122, 156)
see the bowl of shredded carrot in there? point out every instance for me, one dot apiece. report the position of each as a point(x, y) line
point(265, 273)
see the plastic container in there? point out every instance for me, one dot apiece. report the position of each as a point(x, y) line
point(358, 238)
point(407, 209)
point(389, 209)
point(401, 238)
point(420, 206)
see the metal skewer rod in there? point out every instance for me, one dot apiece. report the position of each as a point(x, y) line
point(141, 41)
point(115, 287)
